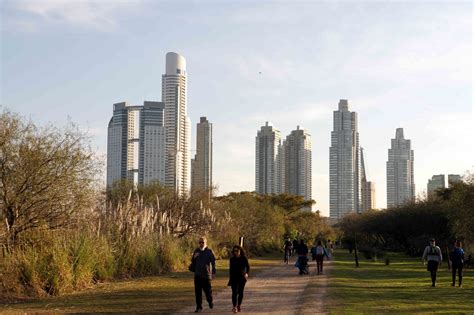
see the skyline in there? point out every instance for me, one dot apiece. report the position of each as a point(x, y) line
point(287, 64)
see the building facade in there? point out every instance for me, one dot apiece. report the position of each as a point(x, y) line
point(177, 124)
point(400, 172)
point(453, 178)
point(367, 187)
point(136, 144)
point(297, 164)
point(436, 182)
point(267, 160)
point(201, 178)
point(344, 164)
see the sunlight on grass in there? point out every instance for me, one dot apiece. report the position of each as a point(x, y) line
point(161, 294)
point(404, 286)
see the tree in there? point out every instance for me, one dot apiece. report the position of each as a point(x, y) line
point(46, 175)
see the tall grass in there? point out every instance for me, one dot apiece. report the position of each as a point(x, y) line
point(73, 260)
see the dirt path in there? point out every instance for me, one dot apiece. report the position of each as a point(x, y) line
point(277, 290)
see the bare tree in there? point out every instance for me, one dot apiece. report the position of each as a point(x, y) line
point(46, 175)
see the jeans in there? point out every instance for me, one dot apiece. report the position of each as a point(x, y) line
point(459, 269)
point(433, 268)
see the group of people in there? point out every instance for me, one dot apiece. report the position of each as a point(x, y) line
point(203, 264)
point(318, 252)
point(432, 257)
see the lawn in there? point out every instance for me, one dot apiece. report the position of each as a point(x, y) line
point(161, 294)
point(403, 287)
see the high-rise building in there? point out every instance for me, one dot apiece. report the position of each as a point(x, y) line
point(177, 124)
point(453, 178)
point(436, 182)
point(296, 159)
point(400, 175)
point(201, 178)
point(367, 187)
point(267, 166)
point(136, 143)
point(344, 164)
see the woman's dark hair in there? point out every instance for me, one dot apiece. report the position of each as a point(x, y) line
point(319, 243)
point(242, 252)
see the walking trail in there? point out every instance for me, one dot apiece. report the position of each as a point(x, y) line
point(278, 290)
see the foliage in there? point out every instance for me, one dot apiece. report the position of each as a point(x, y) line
point(46, 175)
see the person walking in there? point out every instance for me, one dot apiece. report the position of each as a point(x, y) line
point(239, 269)
point(319, 253)
point(432, 255)
point(295, 246)
point(457, 262)
point(302, 251)
point(287, 247)
point(203, 264)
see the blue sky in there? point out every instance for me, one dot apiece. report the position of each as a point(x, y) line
point(400, 64)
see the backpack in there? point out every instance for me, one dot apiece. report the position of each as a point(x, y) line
point(319, 250)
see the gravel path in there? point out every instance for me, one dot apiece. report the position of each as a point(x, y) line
point(278, 290)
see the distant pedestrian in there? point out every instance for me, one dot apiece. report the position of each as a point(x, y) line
point(287, 248)
point(432, 255)
point(319, 252)
point(302, 261)
point(295, 245)
point(457, 261)
point(239, 269)
point(203, 264)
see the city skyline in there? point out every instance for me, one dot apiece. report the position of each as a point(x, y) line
point(73, 60)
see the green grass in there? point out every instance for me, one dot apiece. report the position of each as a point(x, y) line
point(162, 294)
point(403, 287)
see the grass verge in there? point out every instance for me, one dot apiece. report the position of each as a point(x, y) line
point(403, 287)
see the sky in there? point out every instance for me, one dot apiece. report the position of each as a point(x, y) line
point(400, 64)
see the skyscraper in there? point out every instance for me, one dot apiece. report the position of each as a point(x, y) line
point(296, 160)
point(136, 143)
point(367, 187)
point(453, 178)
point(177, 124)
point(344, 164)
point(436, 182)
point(400, 176)
point(267, 175)
point(201, 178)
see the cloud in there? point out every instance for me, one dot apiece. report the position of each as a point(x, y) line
point(99, 15)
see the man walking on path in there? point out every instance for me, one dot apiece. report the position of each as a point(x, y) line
point(433, 255)
point(202, 261)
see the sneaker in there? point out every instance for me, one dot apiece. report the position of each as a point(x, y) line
point(198, 310)
point(239, 309)
point(460, 285)
point(452, 284)
point(211, 305)
point(234, 309)
point(433, 285)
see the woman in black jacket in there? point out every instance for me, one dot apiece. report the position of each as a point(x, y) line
point(238, 273)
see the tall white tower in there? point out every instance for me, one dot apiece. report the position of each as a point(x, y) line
point(400, 176)
point(344, 164)
point(177, 124)
point(267, 145)
point(136, 144)
point(297, 164)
